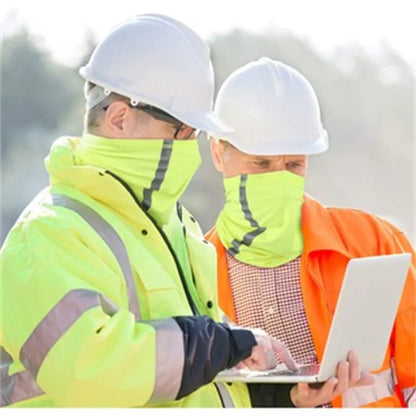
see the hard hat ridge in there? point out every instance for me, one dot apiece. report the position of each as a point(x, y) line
point(157, 60)
point(272, 108)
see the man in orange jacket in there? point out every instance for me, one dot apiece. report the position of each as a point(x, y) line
point(281, 254)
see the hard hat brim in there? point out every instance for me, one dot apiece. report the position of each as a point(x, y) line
point(204, 121)
point(208, 122)
point(270, 148)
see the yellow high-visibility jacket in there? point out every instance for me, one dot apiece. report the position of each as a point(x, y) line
point(98, 310)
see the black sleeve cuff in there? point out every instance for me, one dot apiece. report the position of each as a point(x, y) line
point(270, 395)
point(243, 342)
point(209, 347)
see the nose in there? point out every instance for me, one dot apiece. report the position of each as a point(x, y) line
point(278, 164)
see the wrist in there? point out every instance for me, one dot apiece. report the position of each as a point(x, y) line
point(242, 342)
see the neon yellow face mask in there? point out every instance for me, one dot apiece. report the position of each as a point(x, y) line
point(158, 171)
point(261, 220)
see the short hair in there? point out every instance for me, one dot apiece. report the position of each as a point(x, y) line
point(95, 115)
point(226, 143)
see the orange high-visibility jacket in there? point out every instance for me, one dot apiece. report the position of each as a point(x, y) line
point(332, 236)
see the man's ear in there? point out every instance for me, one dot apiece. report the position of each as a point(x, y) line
point(115, 118)
point(217, 153)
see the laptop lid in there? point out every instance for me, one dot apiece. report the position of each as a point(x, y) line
point(363, 320)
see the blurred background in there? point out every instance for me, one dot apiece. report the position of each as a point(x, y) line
point(358, 55)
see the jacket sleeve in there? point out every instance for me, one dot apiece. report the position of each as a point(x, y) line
point(270, 395)
point(404, 331)
point(209, 348)
point(65, 321)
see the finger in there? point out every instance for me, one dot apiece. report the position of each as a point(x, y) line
point(240, 365)
point(354, 369)
point(303, 389)
point(283, 353)
point(316, 385)
point(320, 393)
point(327, 391)
point(342, 376)
point(250, 364)
point(258, 332)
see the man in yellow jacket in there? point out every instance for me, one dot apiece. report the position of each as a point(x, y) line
point(108, 288)
point(282, 255)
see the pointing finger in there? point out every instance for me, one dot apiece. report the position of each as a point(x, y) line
point(283, 353)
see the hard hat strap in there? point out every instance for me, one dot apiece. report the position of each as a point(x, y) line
point(95, 96)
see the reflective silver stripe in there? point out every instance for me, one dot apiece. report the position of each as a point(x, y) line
point(5, 359)
point(244, 203)
point(247, 240)
point(19, 386)
point(249, 237)
point(409, 395)
point(168, 377)
point(359, 396)
point(111, 238)
point(225, 395)
point(159, 175)
point(54, 325)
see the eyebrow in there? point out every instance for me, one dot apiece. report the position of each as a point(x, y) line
point(256, 157)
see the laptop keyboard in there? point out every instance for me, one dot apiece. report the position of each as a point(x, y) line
point(304, 370)
point(281, 370)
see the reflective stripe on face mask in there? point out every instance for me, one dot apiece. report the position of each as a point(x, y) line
point(249, 237)
point(226, 399)
point(111, 238)
point(159, 175)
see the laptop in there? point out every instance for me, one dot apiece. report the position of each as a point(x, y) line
point(363, 321)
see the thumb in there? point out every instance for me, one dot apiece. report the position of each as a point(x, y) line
point(303, 388)
point(284, 354)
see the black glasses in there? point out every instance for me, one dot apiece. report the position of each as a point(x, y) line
point(182, 132)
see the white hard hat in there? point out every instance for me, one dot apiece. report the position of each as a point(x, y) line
point(156, 60)
point(273, 110)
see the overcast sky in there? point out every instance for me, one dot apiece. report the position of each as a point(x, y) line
point(62, 25)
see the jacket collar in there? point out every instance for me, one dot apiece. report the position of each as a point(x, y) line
point(93, 181)
point(319, 232)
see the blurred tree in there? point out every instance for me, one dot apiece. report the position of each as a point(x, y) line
point(368, 110)
point(366, 101)
point(38, 98)
point(37, 93)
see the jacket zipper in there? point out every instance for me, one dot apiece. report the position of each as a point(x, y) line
point(167, 242)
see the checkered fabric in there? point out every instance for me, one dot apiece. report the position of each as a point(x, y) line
point(271, 299)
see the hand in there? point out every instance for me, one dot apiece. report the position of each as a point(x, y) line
point(348, 375)
point(263, 355)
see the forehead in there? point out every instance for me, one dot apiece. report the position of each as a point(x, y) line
point(275, 157)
